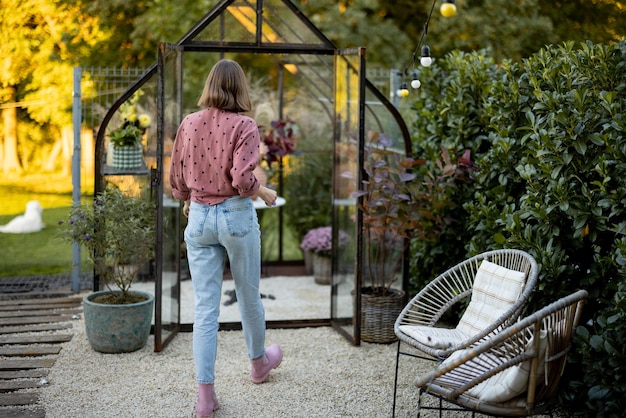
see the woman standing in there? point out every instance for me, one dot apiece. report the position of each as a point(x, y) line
point(214, 154)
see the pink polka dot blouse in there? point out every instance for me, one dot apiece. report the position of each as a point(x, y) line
point(214, 154)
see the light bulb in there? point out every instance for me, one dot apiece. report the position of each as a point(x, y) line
point(403, 91)
point(426, 61)
point(448, 8)
point(416, 84)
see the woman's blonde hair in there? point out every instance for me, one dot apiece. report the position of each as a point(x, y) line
point(226, 88)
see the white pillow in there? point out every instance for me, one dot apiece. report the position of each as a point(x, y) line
point(513, 381)
point(495, 289)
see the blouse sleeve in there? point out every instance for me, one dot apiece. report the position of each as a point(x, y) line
point(180, 190)
point(245, 159)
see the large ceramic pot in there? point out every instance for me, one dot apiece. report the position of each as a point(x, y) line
point(117, 328)
point(379, 314)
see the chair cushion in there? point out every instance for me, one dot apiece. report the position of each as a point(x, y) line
point(495, 289)
point(432, 336)
point(509, 383)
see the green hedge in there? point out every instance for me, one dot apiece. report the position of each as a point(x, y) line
point(548, 138)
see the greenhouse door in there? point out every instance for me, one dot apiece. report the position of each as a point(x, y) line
point(169, 231)
point(349, 134)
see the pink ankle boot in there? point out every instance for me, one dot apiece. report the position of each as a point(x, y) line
point(262, 366)
point(207, 401)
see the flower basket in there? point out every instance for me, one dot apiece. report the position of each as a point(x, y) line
point(127, 157)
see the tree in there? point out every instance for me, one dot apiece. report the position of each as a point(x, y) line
point(512, 30)
point(350, 23)
point(599, 21)
point(40, 42)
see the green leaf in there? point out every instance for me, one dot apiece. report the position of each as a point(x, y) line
point(596, 342)
point(499, 238)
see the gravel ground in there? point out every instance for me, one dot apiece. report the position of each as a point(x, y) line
point(322, 375)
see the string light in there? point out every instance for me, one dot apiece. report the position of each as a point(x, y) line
point(426, 60)
point(415, 83)
point(447, 9)
point(404, 90)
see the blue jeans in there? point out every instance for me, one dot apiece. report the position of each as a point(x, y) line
point(229, 228)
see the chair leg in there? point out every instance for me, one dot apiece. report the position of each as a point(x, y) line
point(419, 402)
point(440, 408)
point(395, 381)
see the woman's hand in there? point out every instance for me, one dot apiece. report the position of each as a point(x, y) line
point(186, 208)
point(268, 195)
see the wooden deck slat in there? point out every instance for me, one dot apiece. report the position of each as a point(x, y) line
point(22, 413)
point(9, 308)
point(25, 364)
point(35, 328)
point(23, 374)
point(29, 351)
point(20, 367)
point(27, 320)
point(35, 339)
point(46, 312)
point(15, 399)
point(41, 301)
point(13, 385)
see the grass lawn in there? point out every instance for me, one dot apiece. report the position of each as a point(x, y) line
point(43, 253)
point(37, 253)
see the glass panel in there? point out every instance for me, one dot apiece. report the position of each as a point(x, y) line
point(139, 111)
point(237, 24)
point(170, 235)
point(135, 115)
point(380, 121)
point(348, 148)
point(280, 25)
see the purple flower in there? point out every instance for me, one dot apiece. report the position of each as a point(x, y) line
point(384, 141)
point(320, 240)
point(87, 237)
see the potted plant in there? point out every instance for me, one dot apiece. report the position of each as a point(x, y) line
point(398, 203)
point(118, 233)
point(319, 241)
point(125, 142)
point(278, 140)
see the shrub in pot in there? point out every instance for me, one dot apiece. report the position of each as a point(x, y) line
point(118, 233)
point(398, 203)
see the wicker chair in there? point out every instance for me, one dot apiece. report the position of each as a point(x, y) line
point(456, 285)
point(515, 373)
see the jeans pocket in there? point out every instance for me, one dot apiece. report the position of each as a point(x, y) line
point(195, 222)
point(239, 219)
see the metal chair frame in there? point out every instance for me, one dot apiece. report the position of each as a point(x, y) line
point(517, 344)
point(452, 287)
